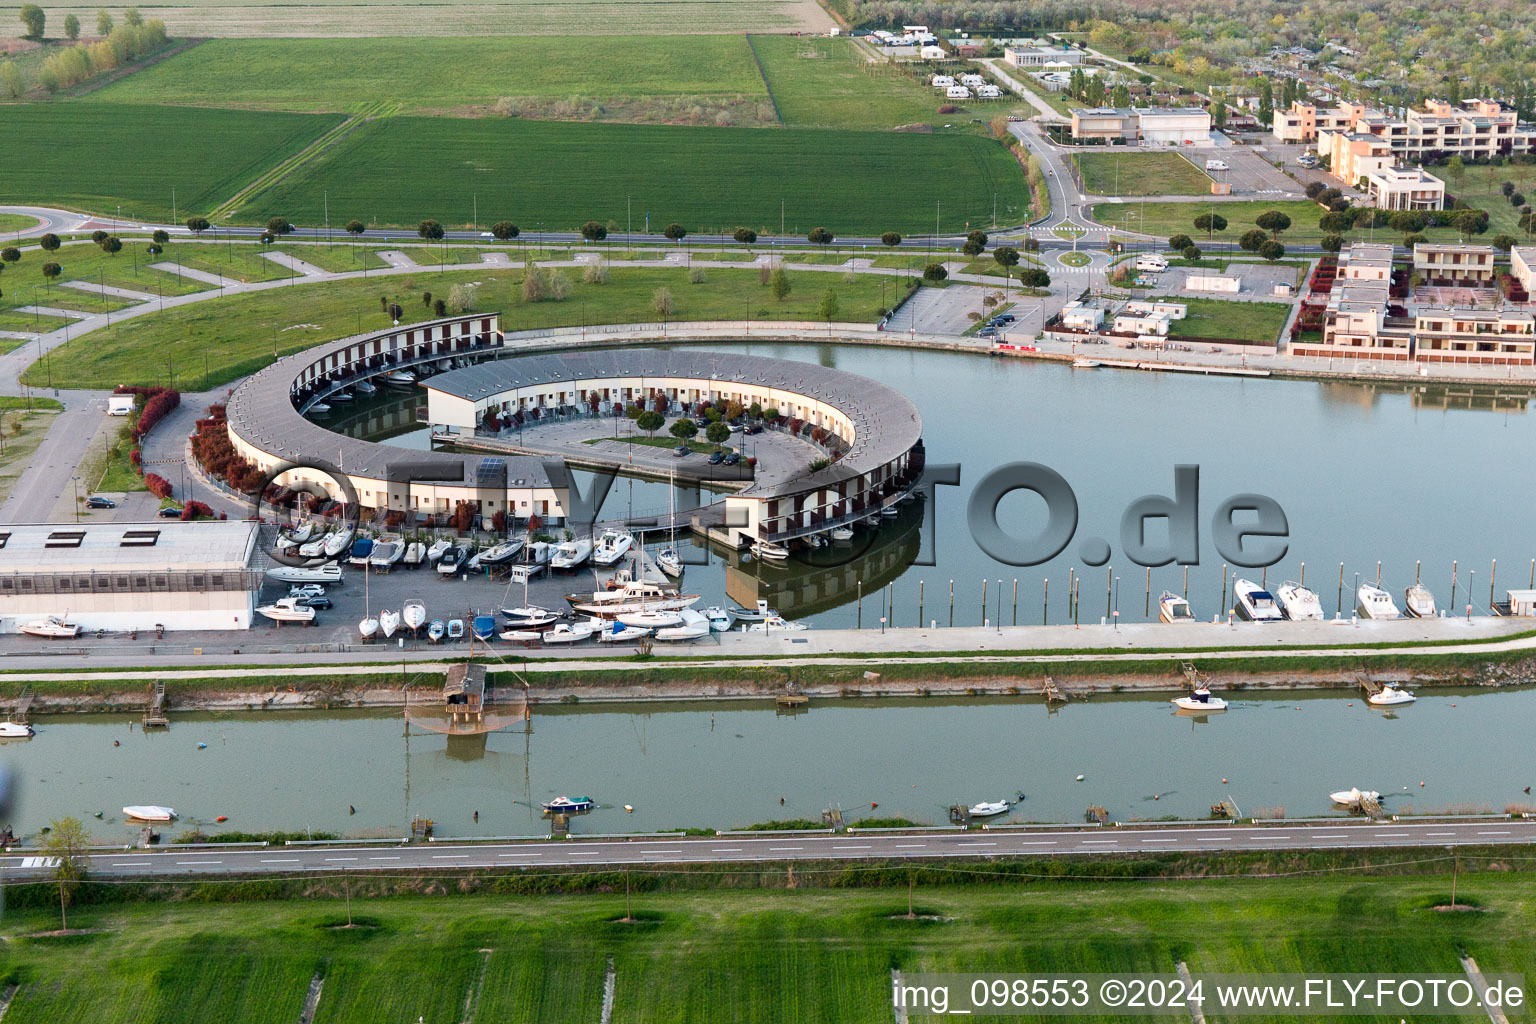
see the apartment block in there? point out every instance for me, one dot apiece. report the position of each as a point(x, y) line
point(1476, 128)
point(1148, 126)
point(1448, 263)
point(1405, 188)
point(1504, 337)
point(1304, 120)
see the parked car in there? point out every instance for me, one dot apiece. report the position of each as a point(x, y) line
point(307, 590)
point(987, 332)
point(96, 501)
point(682, 450)
point(733, 458)
point(1003, 318)
point(717, 458)
point(320, 602)
point(736, 428)
point(756, 428)
point(169, 512)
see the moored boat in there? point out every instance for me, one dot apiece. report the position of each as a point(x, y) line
point(14, 730)
point(1353, 797)
point(1299, 603)
point(757, 613)
point(769, 551)
point(989, 808)
point(1173, 608)
point(668, 561)
point(1254, 603)
point(1374, 603)
point(693, 626)
point(566, 805)
point(149, 812)
point(776, 624)
point(1389, 695)
point(1200, 700)
point(365, 387)
point(720, 619)
point(841, 534)
point(1418, 602)
point(400, 379)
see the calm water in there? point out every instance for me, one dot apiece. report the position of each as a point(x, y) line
point(728, 765)
point(1364, 473)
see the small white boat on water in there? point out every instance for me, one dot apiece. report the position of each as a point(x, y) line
point(694, 625)
point(1418, 602)
point(770, 552)
point(365, 387)
point(1390, 695)
point(1084, 363)
point(565, 805)
point(436, 550)
point(757, 613)
point(1254, 603)
point(841, 534)
point(720, 619)
point(1353, 798)
point(149, 812)
point(329, 573)
point(14, 730)
point(342, 396)
point(287, 609)
point(389, 621)
point(611, 546)
point(571, 632)
point(776, 624)
point(51, 628)
point(400, 378)
point(320, 409)
point(572, 554)
point(890, 511)
point(990, 808)
point(1375, 603)
point(414, 614)
point(1299, 603)
point(1173, 608)
point(669, 562)
point(436, 630)
point(1201, 700)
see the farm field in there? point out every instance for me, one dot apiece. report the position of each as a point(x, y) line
point(547, 176)
point(507, 18)
point(811, 955)
point(822, 83)
point(1215, 318)
point(441, 75)
point(97, 156)
point(1141, 174)
point(236, 336)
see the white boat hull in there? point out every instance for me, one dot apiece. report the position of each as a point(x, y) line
point(414, 615)
point(14, 731)
point(149, 812)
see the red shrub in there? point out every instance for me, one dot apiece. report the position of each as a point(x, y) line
point(195, 510)
point(158, 485)
point(137, 458)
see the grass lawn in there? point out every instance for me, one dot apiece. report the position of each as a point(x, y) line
point(1141, 174)
point(85, 261)
point(235, 336)
point(441, 74)
point(1217, 318)
point(826, 83)
point(1479, 188)
point(770, 955)
point(556, 176)
point(138, 154)
point(340, 259)
point(1166, 219)
point(23, 431)
point(665, 440)
point(16, 222)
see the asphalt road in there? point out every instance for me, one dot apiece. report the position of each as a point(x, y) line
point(1054, 841)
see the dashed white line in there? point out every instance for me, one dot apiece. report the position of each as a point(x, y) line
point(853, 847)
point(782, 849)
point(1159, 840)
point(1439, 834)
point(280, 860)
point(337, 859)
point(195, 863)
point(1334, 836)
point(725, 849)
point(383, 858)
point(975, 844)
point(1222, 839)
point(450, 856)
point(584, 853)
point(141, 867)
point(1039, 842)
point(1392, 835)
point(1100, 842)
point(1493, 833)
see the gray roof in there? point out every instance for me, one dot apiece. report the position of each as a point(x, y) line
point(886, 424)
point(159, 544)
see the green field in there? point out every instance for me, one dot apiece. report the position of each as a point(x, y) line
point(98, 156)
point(23, 284)
point(1141, 174)
point(441, 75)
point(210, 343)
point(1478, 187)
point(763, 956)
point(555, 176)
point(16, 222)
point(1217, 318)
point(825, 83)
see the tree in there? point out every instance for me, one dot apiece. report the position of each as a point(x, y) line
point(1034, 277)
point(66, 844)
point(426, 299)
point(103, 22)
point(49, 242)
point(1120, 96)
point(98, 236)
point(1211, 223)
point(890, 239)
point(717, 432)
point(683, 429)
point(1272, 250)
point(820, 236)
point(675, 232)
point(10, 254)
point(661, 302)
point(439, 307)
point(33, 17)
point(1504, 242)
point(1178, 242)
point(71, 27)
point(1332, 243)
point(1407, 221)
point(1456, 169)
point(356, 227)
point(1414, 239)
point(1219, 113)
point(978, 236)
point(1190, 252)
point(650, 422)
point(1251, 240)
point(1273, 221)
point(934, 273)
point(161, 236)
point(1267, 103)
point(778, 283)
point(431, 230)
point(132, 17)
point(1314, 189)
point(1006, 257)
point(11, 83)
point(112, 245)
point(51, 271)
point(1517, 199)
point(1333, 222)
point(826, 309)
point(197, 225)
point(504, 230)
point(594, 231)
point(973, 248)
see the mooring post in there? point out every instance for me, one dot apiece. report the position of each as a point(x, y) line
point(1303, 580)
point(1186, 583)
point(919, 604)
point(1015, 600)
point(984, 600)
point(1416, 566)
point(1492, 572)
point(1045, 604)
point(1109, 589)
point(1453, 586)
point(1339, 603)
point(951, 602)
point(1223, 589)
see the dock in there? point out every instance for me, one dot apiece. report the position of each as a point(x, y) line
point(23, 710)
point(1371, 685)
point(1053, 693)
point(154, 711)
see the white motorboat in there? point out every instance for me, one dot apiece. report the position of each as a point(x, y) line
point(841, 534)
point(769, 551)
point(776, 624)
point(437, 549)
point(694, 625)
point(1375, 603)
point(287, 609)
point(647, 618)
point(1083, 363)
point(389, 621)
point(612, 546)
point(572, 554)
point(1418, 602)
point(538, 553)
point(415, 551)
point(436, 630)
point(890, 511)
point(571, 632)
point(365, 387)
point(632, 596)
point(329, 573)
point(149, 812)
point(1389, 695)
point(414, 614)
point(14, 730)
point(529, 617)
point(720, 619)
point(452, 560)
point(51, 628)
point(342, 396)
point(455, 629)
point(1353, 797)
point(618, 633)
point(362, 550)
point(335, 543)
point(1173, 608)
point(521, 636)
point(989, 808)
point(385, 555)
point(368, 626)
point(500, 553)
point(758, 613)
point(309, 549)
point(400, 378)
point(668, 561)
point(1254, 603)
point(1200, 700)
point(320, 409)
point(1299, 603)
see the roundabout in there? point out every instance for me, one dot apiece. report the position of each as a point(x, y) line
point(1074, 259)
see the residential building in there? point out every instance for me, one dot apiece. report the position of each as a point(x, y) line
point(1450, 263)
point(1367, 261)
point(1405, 188)
point(1303, 121)
point(1355, 155)
point(1079, 316)
point(1522, 266)
point(1151, 126)
point(1476, 129)
point(1503, 337)
point(1356, 326)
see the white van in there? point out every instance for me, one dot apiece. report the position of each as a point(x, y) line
point(1153, 262)
point(1215, 165)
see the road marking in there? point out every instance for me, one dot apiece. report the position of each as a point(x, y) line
point(1439, 833)
point(329, 859)
point(781, 849)
point(852, 847)
point(1335, 836)
point(1272, 837)
point(280, 860)
point(1493, 833)
point(975, 844)
point(1220, 840)
point(909, 846)
point(141, 867)
point(1039, 842)
point(450, 856)
point(583, 853)
point(383, 858)
point(185, 863)
point(725, 849)
point(1100, 842)
point(1392, 835)
point(1159, 840)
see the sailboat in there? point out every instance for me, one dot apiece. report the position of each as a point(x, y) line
point(414, 614)
point(389, 621)
point(667, 558)
point(369, 624)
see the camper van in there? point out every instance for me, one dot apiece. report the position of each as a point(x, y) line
point(1153, 262)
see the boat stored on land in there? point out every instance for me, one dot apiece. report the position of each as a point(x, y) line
point(51, 628)
point(571, 632)
point(414, 614)
point(389, 621)
point(572, 554)
point(1254, 603)
point(362, 550)
point(483, 627)
point(452, 560)
point(776, 624)
point(611, 546)
point(328, 573)
point(385, 555)
point(617, 632)
point(436, 630)
point(693, 626)
point(287, 609)
point(1299, 603)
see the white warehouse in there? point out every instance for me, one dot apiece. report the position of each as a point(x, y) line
point(126, 576)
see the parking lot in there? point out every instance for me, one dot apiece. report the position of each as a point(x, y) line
point(1258, 282)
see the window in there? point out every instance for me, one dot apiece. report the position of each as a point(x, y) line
point(65, 539)
point(140, 538)
point(4, 536)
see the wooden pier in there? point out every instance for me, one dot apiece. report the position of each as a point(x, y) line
point(154, 711)
point(1193, 677)
point(23, 709)
point(1053, 693)
point(791, 698)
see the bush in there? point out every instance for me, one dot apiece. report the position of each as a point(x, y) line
point(696, 275)
point(935, 272)
point(462, 298)
point(596, 273)
point(158, 485)
point(195, 510)
point(1180, 242)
